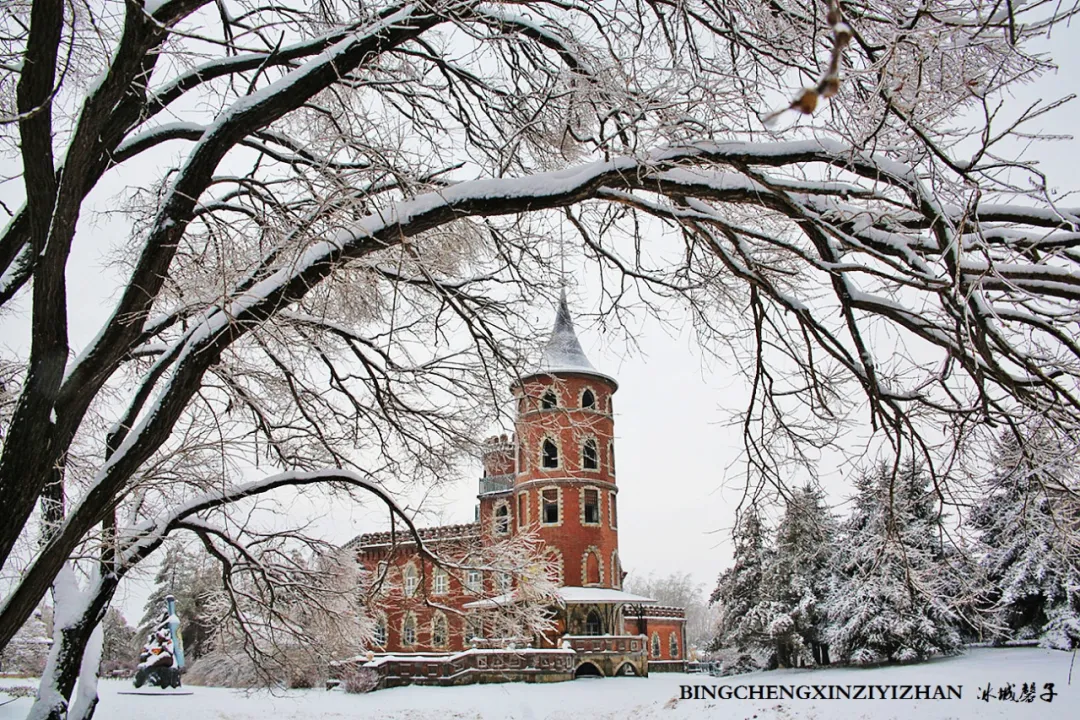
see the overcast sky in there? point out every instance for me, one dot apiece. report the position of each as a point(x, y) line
point(675, 453)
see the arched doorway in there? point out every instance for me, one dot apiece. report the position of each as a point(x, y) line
point(587, 669)
point(627, 669)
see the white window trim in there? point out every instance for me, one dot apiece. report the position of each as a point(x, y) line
point(523, 509)
point(673, 646)
point(440, 576)
point(468, 587)
point(592, 549)
point(616, 570)
point(581, 454)
point(556, 555)
point(654, 645)
point(611, 457)
point(596, 399)
point(404, 631)
point(406, 576)
point(558, 502)
point(599, 506)
point(380, 619)
point(554, 391)
point(446, 630)
point(495, 518)
point(558, 454)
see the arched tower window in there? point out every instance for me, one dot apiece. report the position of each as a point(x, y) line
point(549, 400)
point(588, 399)
point(590, 456)
point(591, 571)
point(502, 519)
point(593, 626)
point(550, 454)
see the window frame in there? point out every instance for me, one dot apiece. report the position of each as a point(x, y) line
point(381, 624)
point(552, 403)
point(590, 442)
point(673, 645)
point(613, 512)
point(558, 506)
point(474, 582)
point(543, 454)
point(501, 523)
point(654, 645)
point(595, 399)
point(583, 505)
point(410, 579)
point(435, 622)
point(405, 629)
point(440, 582)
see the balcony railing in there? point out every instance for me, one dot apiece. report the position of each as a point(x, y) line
point(496, 483)
point(621, 644)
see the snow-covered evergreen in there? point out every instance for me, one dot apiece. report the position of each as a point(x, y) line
point(740, 594)
point(1027, 523)
point(892, 598)
point(798, 580)
point(189, 575)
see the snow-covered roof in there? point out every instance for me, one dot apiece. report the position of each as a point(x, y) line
point(563, 353)
point(569, 596)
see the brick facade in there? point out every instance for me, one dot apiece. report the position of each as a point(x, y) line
point(556, 475)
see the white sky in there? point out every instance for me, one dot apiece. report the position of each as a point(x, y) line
point(674, 450)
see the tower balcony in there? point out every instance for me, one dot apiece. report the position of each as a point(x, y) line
point(496, 484)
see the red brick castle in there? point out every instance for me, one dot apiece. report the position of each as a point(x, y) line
point(557, 477)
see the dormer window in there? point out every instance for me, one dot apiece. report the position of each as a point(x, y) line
point(588, 399)
point(549, 401)
point(550, 454)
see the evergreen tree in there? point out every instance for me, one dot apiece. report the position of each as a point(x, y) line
point(891, 597)
point(740, 593)
point(190, 576)
point(797, 581)
point(1027, 520)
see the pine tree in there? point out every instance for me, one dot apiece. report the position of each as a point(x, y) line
point(891, 597)
point(191, 577)
point(1027, 521)
point(744, 612)
point(797, 580)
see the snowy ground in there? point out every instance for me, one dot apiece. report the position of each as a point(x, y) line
point(625, 698)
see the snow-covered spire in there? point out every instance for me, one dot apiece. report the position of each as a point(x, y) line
point(563, 350)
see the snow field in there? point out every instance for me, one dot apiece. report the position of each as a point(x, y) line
point(634, 698)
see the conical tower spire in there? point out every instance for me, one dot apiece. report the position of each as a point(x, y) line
point(563, 350)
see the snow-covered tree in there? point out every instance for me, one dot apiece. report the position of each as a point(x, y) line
point(1027, 519)
point(798, 579)
point(741, 595)
point(893, 591)
point(342, 214)
point(119, 652)
point(191, 576)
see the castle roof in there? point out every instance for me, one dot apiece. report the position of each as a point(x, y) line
point(563, 353)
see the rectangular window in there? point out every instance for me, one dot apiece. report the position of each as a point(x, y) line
point(504, 581)
point(441, 583)
point(592, 507)
point(474, 628)
point(474, 581)
point(611, 511)
point(551, 506)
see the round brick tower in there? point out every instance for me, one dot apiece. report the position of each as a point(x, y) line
point(565, 461)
